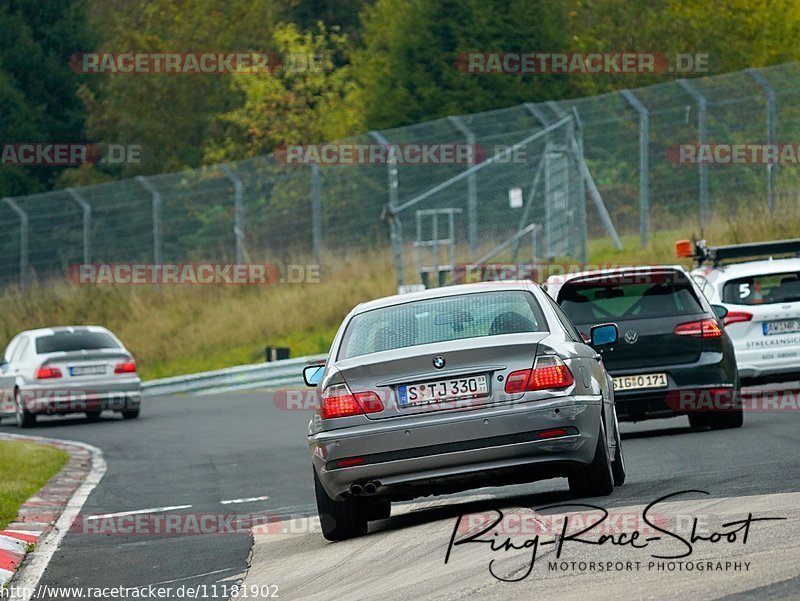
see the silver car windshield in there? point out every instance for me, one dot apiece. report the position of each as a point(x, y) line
point(440, 320)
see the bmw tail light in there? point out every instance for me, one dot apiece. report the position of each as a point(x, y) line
point(338, 401)
point(706, 328)
point(129, 367)
point(45, 373)
point(737, 317)
point(517, 381)
point(548, 372)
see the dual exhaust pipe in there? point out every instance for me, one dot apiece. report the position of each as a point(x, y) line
point(366, 489)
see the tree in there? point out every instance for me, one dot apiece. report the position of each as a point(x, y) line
point(169, 114)
point(38, 101)
point(303, 102)
point(407, 66)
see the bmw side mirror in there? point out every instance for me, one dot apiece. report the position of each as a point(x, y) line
point(604, 334)
point(312, 374)
point(720, 311)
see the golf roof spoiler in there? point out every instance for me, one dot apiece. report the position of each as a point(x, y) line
point(701, 252)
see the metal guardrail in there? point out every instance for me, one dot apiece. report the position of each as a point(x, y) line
point(244, 377)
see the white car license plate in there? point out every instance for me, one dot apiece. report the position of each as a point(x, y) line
point(640, 381)
point(87, 370)
point(784, 326)
point(437, 391)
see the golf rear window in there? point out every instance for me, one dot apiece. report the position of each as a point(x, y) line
point(596, 301)
point(74, 341)
point(441, 320)
point(763, 289)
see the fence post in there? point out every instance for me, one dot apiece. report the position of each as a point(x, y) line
point(644, 165)
point(156, 217)
point(772, 115)
point(238, 211)
point(472, 187)
point(23, 242)
point(390, 212)
point(86, 208)
point(534, 110)
point(702, 128)
point(576, 129)
point(316, 215)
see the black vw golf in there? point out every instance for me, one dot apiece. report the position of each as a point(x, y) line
point(673, 356)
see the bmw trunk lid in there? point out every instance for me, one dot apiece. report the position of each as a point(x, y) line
point(471, 373)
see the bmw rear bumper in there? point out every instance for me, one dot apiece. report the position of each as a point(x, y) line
point(117, 396)
point(412, 457)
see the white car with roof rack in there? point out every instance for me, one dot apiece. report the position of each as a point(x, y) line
point(762, 297)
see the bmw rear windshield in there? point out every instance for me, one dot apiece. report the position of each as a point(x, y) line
point(618, 298)
point(74, 341)
point(442, 319)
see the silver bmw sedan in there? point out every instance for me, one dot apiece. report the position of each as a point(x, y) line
point(68, 369)
point(456, 388)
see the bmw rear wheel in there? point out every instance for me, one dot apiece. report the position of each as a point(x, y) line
point(25, 419)
point(618, 465)
point(596, 479)
point(340, 520)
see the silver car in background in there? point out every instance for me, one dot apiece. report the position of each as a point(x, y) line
point(456, 388)
point(69, 369)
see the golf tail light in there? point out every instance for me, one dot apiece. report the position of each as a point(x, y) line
point(45, 373)
point(549, 371)
point(706, 328)
point(737, 317)
point(338, 401)
point(129, 367)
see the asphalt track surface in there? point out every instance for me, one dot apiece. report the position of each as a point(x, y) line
point(203, 450)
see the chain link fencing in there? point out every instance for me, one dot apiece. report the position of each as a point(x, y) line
point(563, 172)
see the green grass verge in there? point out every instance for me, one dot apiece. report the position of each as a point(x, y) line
point(24, 469)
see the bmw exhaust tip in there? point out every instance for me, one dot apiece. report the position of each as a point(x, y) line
point(370, 488)
point(356, 490)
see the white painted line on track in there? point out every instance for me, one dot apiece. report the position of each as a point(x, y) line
point(27, 578)
point(137, 512)
point(246, 500)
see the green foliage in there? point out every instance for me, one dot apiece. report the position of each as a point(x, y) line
point(37, 87)
point(407, 64)
point(301, 103)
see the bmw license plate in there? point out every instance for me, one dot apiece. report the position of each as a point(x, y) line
point(87, 370)
point(784, 326)
point(437, 391)
point(640, 381)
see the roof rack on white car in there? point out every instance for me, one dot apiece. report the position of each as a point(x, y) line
point(702, 252)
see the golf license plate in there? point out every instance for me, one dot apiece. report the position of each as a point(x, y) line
point(640, 381)
point(783, 326)
point(87, 370)
point(423, 393)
